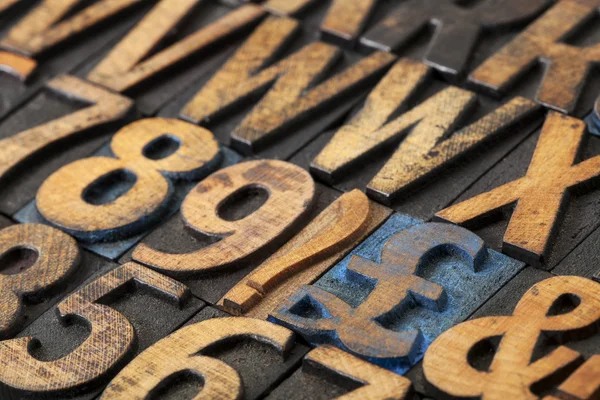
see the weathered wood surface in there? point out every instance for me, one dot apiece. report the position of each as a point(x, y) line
point(512, 372)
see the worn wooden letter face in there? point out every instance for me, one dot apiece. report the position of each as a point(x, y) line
point(35, 261)
point(80, 368)
point(340, 369)
point(105, 199)
point(512, 372)
point(396, 292)
point(539, 196)
point(182, 353)
point(457, 28)
point(567, 66)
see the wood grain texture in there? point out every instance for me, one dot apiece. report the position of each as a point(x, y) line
point(105, 107)
point(26, 278)
point(182, 352)
point(539, 197)
point(44, 26)
point(377, 383)
point(322, 243)
point(289, 100)
point(567, 66)
point(583, 384)
point(457, 28)
point(290, 192)
point(67, 199)
point(512, 372)
point(110, 341)
point(431, 140)
point(17, 65)
point(132, 62)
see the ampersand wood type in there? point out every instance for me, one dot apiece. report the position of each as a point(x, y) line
point(512, 372)
point(76, 348)
point(438, 273)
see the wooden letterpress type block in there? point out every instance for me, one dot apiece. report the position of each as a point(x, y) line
point(328, 372)
point(111, 200)
point(176, 43)
point(536, 333)
point(66, 120)
point(73, 350)
point(236, 218)
point(280, 89)
point(419, 161)
point(397, 291)
point(551, 177)
point(40, 265)
point(45, 38)
point(239, 358)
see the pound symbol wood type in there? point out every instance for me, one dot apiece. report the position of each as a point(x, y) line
point(512, 372)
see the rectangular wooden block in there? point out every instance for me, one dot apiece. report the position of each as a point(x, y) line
point(95, 331)
point(373, 283)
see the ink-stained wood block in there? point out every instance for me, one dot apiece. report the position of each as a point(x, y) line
point(397, 291)
point(419, 161)
point(280, 89)
point(186, 248)
point(308, 255)
point(56, 37)
point(66, 120)
point(109, 211)
point(536, 332)
point(327, 373)
point(74, 349)
point(457, 29)
point(238, 346)
point(40, 265)
point(577, 218)
point(176, 43)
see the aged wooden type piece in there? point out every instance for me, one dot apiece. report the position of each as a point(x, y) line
point(430, 137)
point(583, 384)
point(567, 66)
point(514, 372)
point(457, 29)
point(45, 38)
point(177, 42)
point(75, 116)
point(73, 350)
point(233, 220)
point(307, 91)
point(193, 351)
point(397, 291)
point(538, 198)
point(315, 249)
point(360, 379)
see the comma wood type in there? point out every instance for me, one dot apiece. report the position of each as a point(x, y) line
point(344, 369)
point(35, 260)
point(131, 63)
point(181, 352)
point(538, 197)
point(386, 301)
point(457, 29)
point(290, 192)
point(567, 66)
point(427, 146)
point(289, 99)
point(512, 372)
point(69, 200)
point(110, 342)
point(322, 243)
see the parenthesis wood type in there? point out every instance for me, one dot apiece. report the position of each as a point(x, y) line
point(512, 372)
point(182, 352)
point(56, 259)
